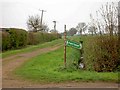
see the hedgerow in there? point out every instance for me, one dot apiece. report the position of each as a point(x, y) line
point(5, 41)
point(40, 37)
point(13, 38)
point(106, 48)
point(101, 54)
point(18, 38)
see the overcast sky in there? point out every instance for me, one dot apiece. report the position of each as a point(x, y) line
point(14, 13)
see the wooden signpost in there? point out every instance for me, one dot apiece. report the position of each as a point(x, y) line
point(65, 46)
point(69, 43)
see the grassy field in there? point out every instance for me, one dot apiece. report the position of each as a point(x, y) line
point(49, 67)
point(30, 48)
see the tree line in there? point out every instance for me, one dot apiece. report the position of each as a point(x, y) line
point(105, 22)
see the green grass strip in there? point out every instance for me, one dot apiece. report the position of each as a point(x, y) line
point(31, 48)
point(49, 67)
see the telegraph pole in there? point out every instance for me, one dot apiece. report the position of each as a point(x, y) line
point(41, 17)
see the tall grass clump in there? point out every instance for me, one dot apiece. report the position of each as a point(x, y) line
point(73, 58)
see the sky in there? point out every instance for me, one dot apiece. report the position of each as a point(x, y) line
point(14, 13)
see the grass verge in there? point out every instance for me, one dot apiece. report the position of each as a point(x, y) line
point(49, 67)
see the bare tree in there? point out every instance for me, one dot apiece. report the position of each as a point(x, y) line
point(107, 19)
point(94, 26)
point(72, 31)
point(92, 30)
point(34, 24)
point(81, 27)
point(109, 14)
point(45, 27)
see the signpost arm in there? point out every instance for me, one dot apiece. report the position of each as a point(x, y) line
point(65, 45)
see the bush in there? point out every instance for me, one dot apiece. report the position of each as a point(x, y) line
point(89, 54)
point(18, 38)
point(13, 38)
point(31, 38)
point(40, 37)
point(100, 53)
point(5, 41)
point(106, 48)
point(73, 59)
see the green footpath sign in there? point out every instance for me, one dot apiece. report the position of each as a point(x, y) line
point(74, 44)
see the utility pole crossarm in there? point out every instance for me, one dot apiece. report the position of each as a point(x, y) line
point(42, 10)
